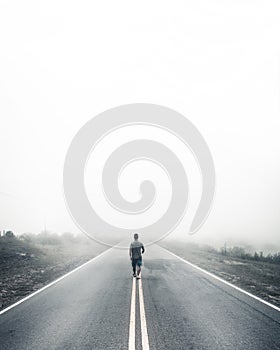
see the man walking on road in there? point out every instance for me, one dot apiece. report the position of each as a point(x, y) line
point(135, 252)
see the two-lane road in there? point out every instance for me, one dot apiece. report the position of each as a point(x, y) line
point(96, 308)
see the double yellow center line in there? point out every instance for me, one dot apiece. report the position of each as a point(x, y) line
point(132, 323)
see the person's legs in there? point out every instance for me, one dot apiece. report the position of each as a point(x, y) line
point(134, 267)
point(139, 263)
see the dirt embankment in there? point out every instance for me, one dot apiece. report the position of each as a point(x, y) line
point(28, 266)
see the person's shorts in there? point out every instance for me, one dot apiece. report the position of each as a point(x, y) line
point(137, 262)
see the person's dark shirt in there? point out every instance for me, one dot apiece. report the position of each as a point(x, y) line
point(136, 249)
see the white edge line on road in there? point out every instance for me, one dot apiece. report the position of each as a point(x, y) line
point(131, 339)
point(52, 283)
point(224, 281)
point(144, 332)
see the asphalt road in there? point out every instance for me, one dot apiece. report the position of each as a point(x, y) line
point(183, 309)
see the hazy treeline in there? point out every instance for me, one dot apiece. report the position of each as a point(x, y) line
point(46, 238)
point(240, 252)
point(247, 252)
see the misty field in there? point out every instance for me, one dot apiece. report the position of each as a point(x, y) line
point(258, 274)
point(29, 262)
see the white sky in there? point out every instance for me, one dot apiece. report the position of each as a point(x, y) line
point(216, 62)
